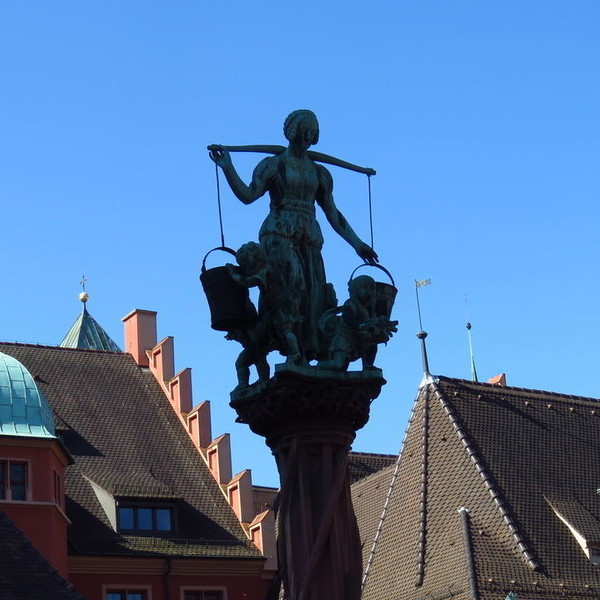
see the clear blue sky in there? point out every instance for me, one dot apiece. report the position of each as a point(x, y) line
point(481, 119)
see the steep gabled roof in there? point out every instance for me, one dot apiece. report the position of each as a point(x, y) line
point(24, 573)
point(127, 441)
point(87, 334)
point(505, 454)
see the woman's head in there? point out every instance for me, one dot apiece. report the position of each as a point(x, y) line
point(301, 118)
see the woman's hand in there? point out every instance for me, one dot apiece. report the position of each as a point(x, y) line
point(220, 156)
point(367, 253)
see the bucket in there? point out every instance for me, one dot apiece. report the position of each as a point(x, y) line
point(229, 303)
point(385, 293)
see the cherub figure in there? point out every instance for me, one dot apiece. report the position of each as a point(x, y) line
point(267, 333)
point(359, 328)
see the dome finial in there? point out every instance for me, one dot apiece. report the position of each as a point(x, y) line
point(84, 296)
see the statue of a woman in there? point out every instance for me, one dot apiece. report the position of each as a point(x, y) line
point(290, 234)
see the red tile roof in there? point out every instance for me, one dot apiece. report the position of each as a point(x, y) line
point(124, 436)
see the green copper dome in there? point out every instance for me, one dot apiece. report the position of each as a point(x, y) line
point(23, 409)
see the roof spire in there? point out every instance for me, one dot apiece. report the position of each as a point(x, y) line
point(471, 355)
point(422, 335)
point(86, 333)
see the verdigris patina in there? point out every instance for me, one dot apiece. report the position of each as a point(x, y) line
point(308, 415)
point(292, 239)
point(358, 328)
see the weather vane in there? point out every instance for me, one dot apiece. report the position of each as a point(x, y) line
point(84, 296)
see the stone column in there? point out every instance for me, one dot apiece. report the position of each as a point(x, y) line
point(309, 418)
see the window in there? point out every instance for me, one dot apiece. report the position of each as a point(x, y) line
point(125, 595)
point(13, 480)
point(58, 490)
point(146, 518)
point(203, 595)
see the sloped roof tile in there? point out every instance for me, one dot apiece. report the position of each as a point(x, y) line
point(499, 452)
point(122, 432)
point(24, 573)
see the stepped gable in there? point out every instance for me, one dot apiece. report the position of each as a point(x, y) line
point(24, 573)
point(116, 422)
point(516, 459)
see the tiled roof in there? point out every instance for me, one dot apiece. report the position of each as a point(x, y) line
point(125, 438)
point(87, 334)
point(24, 573)
point(507, 455)
point(363, 464)
point(264, 498)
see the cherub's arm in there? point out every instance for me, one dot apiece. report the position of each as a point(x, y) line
point(247, 281)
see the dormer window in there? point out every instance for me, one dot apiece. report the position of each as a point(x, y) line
point(144, 518)
point(583, 525)
point(13, 480)
point(594, 550)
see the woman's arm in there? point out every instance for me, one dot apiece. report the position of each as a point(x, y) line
point(337, 220)
point(245, 193)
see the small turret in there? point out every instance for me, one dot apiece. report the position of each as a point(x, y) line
point(86, 333)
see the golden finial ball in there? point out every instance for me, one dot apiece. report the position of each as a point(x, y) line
point(84, 296)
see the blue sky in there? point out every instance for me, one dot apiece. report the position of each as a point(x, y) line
point(481, 119)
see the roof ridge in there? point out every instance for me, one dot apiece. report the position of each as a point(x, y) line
point(56, 347)
point(423, 492)
point(354, 452)
point(514, 389)
point(496, 494)
point(386, 503)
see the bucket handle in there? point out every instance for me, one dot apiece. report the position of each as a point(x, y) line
point(373, 265)
point(224, 248)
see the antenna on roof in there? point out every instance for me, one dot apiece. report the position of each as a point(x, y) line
point(422, 335)
point(471, 355)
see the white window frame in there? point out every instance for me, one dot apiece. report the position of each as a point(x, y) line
point(27, 462)
point(126, 587)
point(202, 588)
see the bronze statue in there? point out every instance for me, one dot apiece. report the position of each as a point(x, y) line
point(290, 234)
point(359, 328)
point(308, 415)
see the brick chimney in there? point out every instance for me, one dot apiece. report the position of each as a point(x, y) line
point(140, 334)
point(498, 380)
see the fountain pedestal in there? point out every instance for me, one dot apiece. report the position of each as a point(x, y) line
point(309, 418)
